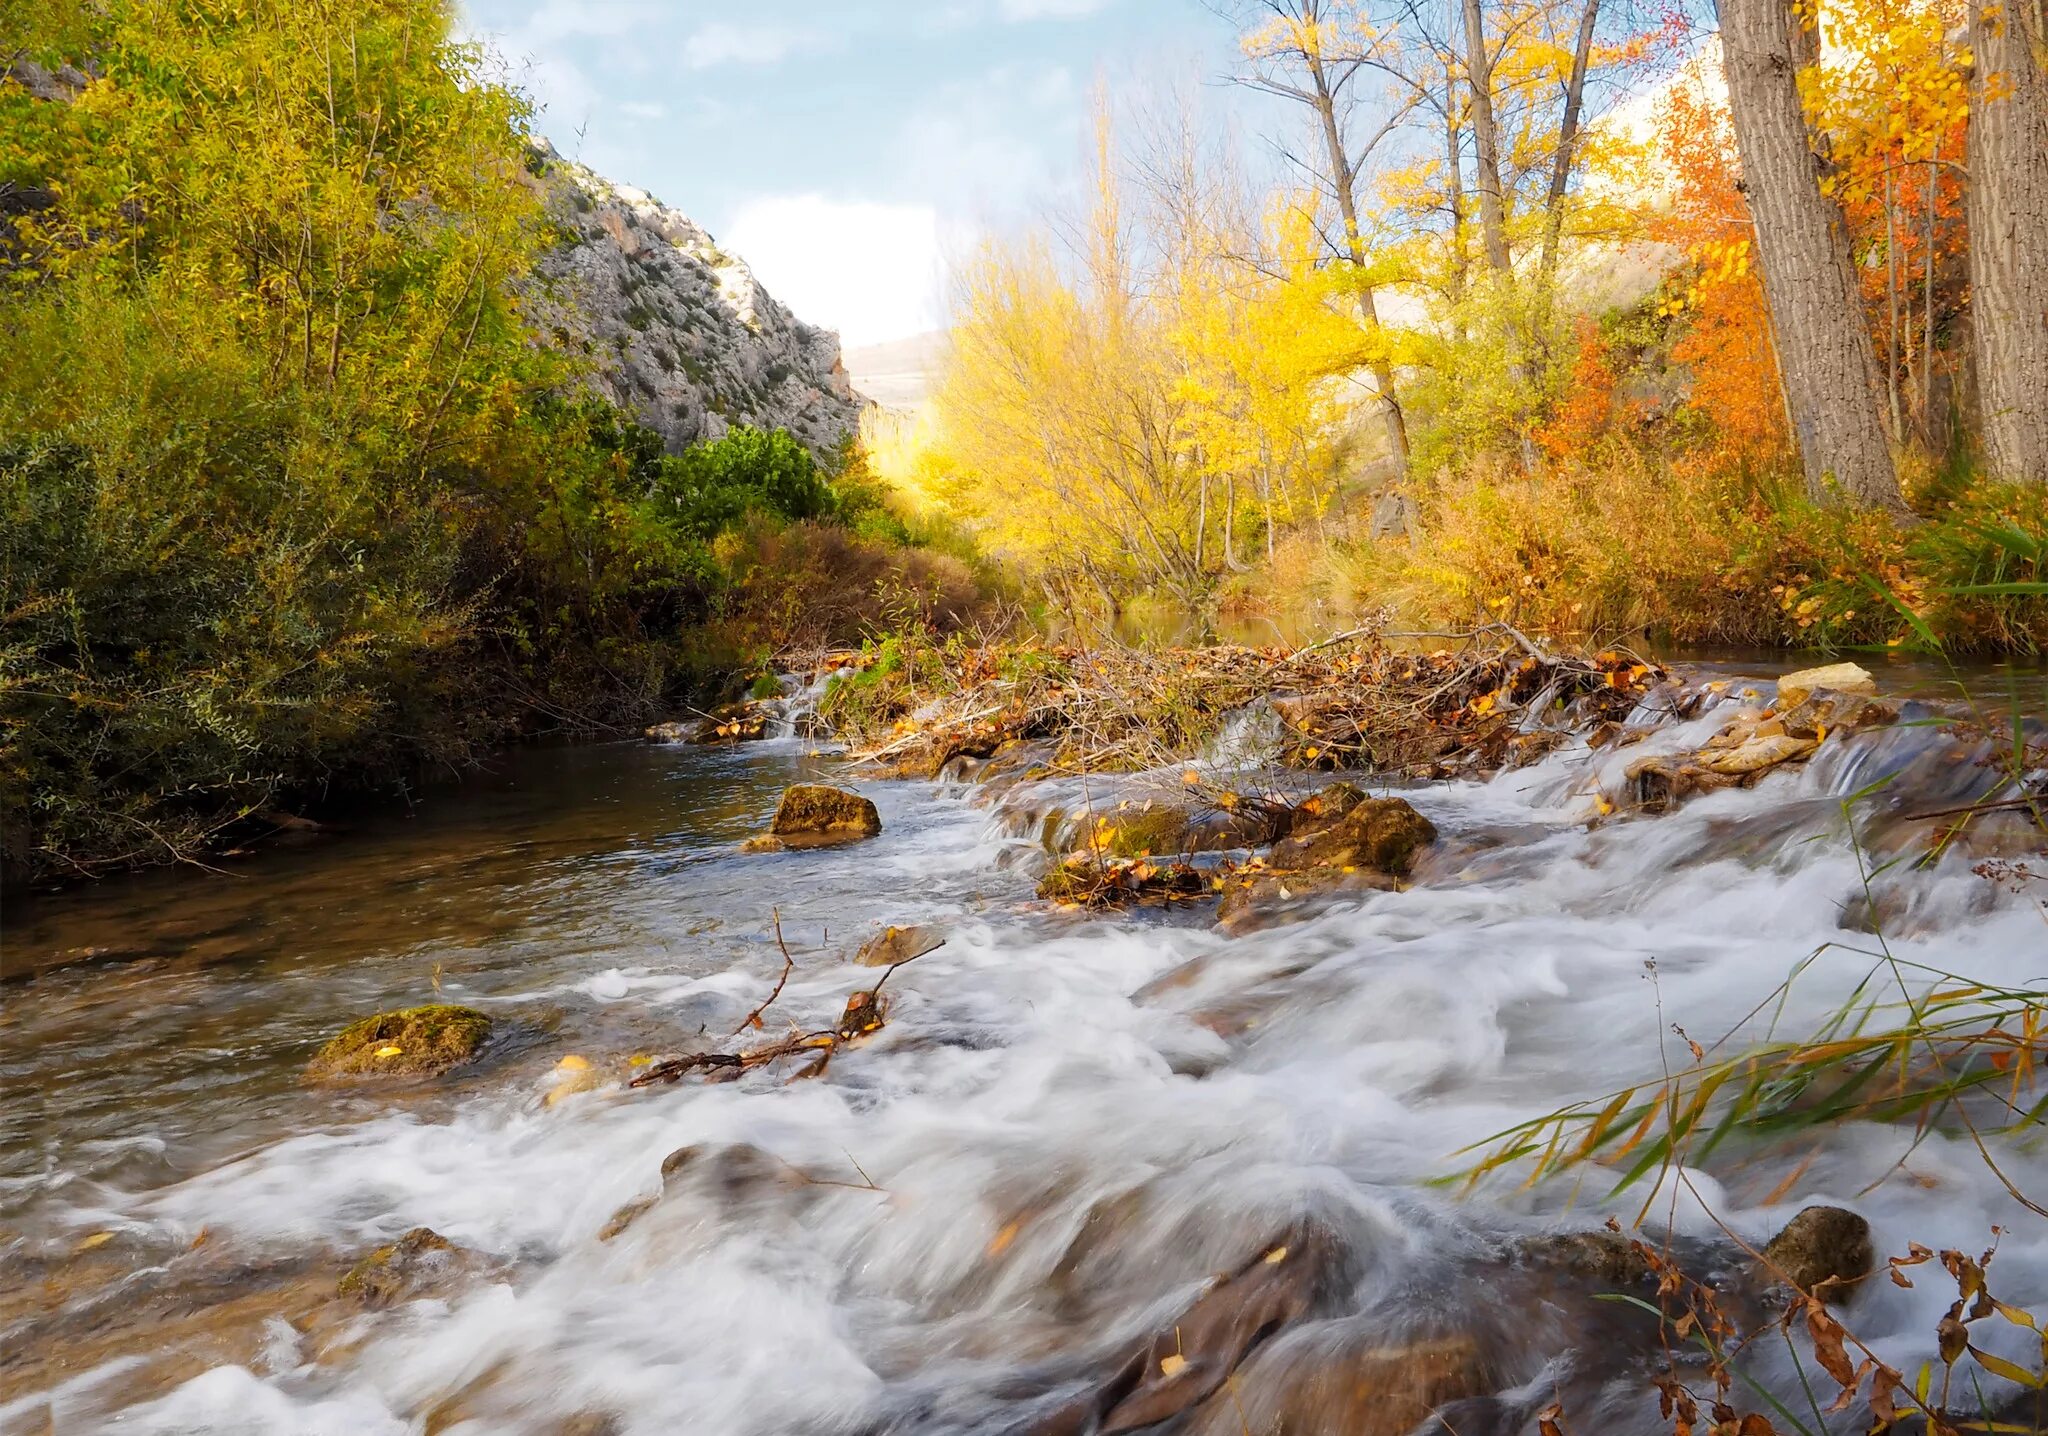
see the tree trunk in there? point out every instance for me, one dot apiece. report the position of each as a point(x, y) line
point(1827, 362)
point(1561, 165)
point(2008, 215)
point(1455, 191)
point(1934, 444)
point(1345, 183)
point(1891, 300)
point(1486, 139)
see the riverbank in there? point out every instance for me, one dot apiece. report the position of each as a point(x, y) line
point(1071, 1118)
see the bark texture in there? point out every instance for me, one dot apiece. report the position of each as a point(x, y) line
point(2008, 215)
point(1485, 140)
point(1567, 142)
point(1344, 180)
point(1826, 358)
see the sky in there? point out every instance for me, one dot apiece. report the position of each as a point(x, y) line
point(847, 149)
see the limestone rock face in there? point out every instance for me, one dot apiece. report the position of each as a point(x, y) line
point(678, 332)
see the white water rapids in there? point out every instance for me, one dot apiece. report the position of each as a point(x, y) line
point(1036, 1161)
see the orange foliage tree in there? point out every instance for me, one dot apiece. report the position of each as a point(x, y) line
point(1725, 339)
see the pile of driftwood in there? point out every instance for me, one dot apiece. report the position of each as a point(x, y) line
point(1355, 702)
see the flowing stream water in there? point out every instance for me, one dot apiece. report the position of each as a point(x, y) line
point(1066, 1126)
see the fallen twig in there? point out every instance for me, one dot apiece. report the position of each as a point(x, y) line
point(753, 1018)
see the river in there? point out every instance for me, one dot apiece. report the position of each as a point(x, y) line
point(1066, 1126)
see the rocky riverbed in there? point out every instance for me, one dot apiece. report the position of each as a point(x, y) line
point(1117, 1151)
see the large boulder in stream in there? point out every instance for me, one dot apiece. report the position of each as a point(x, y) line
point(1288, 1340)
point(409, 1042)
point(817, 815)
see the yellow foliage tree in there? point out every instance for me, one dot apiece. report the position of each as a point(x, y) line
point(1129, 417)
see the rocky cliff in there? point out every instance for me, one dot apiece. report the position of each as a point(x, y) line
point(677, 331)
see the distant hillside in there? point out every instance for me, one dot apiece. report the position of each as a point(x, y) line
point(898, 374)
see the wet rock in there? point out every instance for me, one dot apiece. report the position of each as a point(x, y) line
point(1339, 841)
point(1255, 900)
point(1608, 1258)
point(817, 810)
point(899, 944)
point(1336, 1380)
point(1793, 688)
point(1149, 827)
point(1134, 830)
point(1755, 752)
point(729, 1174)
point(1819, 713)
point(410, 1042)
point(1295, 1276)
point(669, 732)
point(1659, 784)
point(628, 1213)
point(1824, 1251)
point(1341, 827)
point(408, 1267)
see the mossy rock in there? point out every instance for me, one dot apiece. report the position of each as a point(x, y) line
point(1133, 830)
point(410, 1042)
point(1345, 830)
point(817, 809)
point(392, 1273)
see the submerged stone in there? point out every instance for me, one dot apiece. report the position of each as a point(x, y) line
point(899, 944)
point(403, 1269)
point(408, 1042)
point(1262, 899)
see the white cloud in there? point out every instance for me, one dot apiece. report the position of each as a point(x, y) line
point(871, 271)
point(723, 43)
point(643, 110)
point(987, 145)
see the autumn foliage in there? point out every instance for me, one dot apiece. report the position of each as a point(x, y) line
point(1189, 401)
